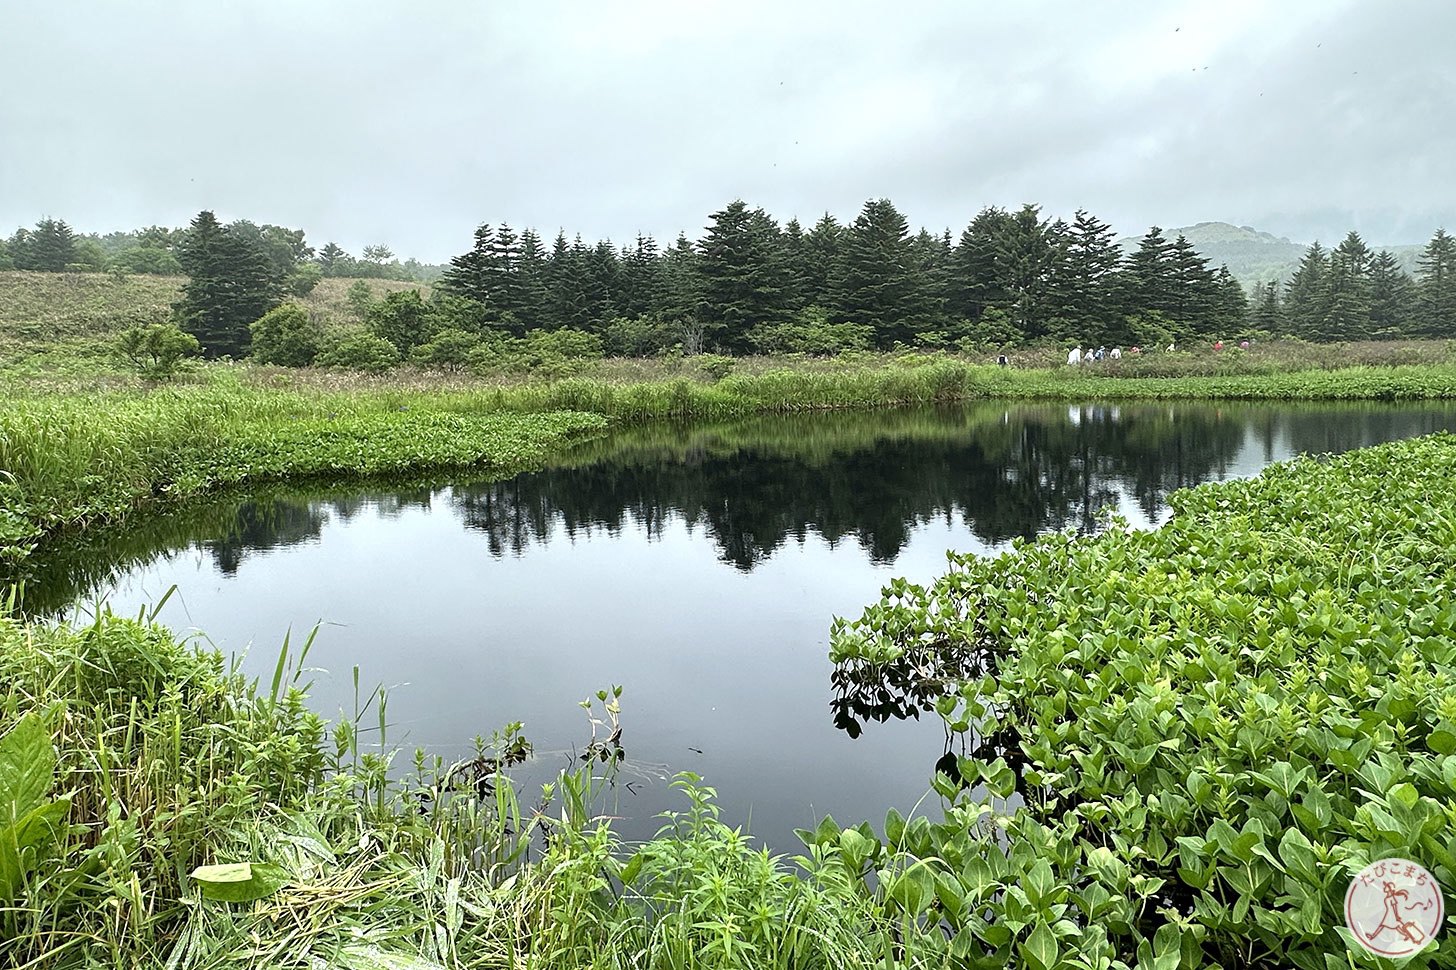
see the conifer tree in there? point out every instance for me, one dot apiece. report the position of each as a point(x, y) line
point(878, 282)
point(1436, 272)
point(231, 283)
point(1347, 299)
point(975, 283)
point(52, 246)
point(1268, 313)
point(1027, 251)
point(1392, 298)
point(744, 275)
point(821, 257)
point(1307, 293)
point(1084, 290)
point(1149, 278)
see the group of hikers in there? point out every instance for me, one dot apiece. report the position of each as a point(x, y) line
point(1093, 355)
point(1077, 355)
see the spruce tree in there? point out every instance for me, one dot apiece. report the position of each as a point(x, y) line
point(1268, 313)
point(332, 259)
point(878, 282)
point(682, 291)
point(469, 274)
point(1083, 291)
point(1436, 273)
point(642, 280)
point(1194, 290)
point(822, 246)
point(1347, 299)
point(1392, 298)
point(1307, 293)
point(744, 275)
point(1026, 257)
point(1148, 278)
point(231, 283)
point(49, 248)
point(975, 281)
point(1231, 304)
point(531, 283)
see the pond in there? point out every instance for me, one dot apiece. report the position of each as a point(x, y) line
point(698, 567)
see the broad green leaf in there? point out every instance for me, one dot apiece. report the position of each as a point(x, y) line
point(1040, 948)
point(632, 869)
point(913, 889)
point(27, 767)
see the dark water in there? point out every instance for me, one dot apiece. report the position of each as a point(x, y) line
point(698, 567)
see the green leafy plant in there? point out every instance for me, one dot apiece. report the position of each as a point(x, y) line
point(30, 825)
point(156, 349)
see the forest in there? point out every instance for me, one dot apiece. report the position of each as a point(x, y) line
point(750, 285)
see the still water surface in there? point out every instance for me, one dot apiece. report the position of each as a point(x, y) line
point(699, 567)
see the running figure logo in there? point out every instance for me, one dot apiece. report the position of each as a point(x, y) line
point(1394, 907)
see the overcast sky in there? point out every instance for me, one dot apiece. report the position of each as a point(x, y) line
point(411, 123)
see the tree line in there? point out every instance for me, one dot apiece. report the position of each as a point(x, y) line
point(1011, 277)
point(1354, 293)
point(52, 246)
point(751, 285)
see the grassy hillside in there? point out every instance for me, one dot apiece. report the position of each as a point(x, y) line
point(41, 309)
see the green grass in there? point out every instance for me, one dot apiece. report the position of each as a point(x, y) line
point(70, 461)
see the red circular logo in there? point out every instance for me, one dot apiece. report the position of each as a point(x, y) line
point(1394, 907)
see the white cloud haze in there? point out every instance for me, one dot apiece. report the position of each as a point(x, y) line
point(412, 123)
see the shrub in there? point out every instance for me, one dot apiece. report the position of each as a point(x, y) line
point(360, 350)
point(638, 336)
point(360, 298)
point(714, 366)
point(303, 279)
point(810, 332)
point(403, 318)
point(284, 336)
point(448, 350)
point(156, 349)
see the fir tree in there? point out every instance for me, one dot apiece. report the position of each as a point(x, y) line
point(975, 281)
point(1392, 298)
point(878, 281)
point(231, 283)
point(1347, 299)
point(1436, 272)
point(1307, 293)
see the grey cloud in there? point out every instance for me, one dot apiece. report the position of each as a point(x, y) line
point(411, 124)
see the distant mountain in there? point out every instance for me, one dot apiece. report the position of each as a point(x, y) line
point(1257, 257)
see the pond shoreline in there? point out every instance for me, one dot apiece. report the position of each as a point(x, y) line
point(74, 460)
